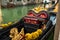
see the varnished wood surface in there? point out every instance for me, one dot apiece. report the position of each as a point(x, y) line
point(57, 28)
point(0, 13)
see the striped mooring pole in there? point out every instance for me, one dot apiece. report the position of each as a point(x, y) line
point(0, 14)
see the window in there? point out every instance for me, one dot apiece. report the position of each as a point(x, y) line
point(28, 0)
point(18, 0)
point(10, 0)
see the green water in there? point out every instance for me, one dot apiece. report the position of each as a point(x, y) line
point(15, 14)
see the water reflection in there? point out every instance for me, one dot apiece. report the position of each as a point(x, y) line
point(14, 14)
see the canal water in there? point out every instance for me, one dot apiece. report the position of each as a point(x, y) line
point(16, 13)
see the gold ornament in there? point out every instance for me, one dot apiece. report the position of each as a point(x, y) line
point(33, 35)
point(13, 32)
point(28, 36)
point(16, 35)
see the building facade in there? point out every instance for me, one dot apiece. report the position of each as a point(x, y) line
point(19, 2)
point(22, 2)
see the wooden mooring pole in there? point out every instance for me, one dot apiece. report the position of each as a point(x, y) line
point(57, 28)
point(0, 14)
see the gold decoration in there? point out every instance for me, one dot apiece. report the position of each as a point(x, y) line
point(6, 25)
point(43, 27)
point(20, 36)
point(15, 35)
point(13, 32)
point(33, 35)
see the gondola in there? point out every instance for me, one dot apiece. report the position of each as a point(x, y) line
point(33, 21)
